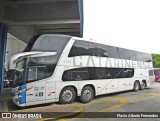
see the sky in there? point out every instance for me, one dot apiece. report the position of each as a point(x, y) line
point(131, 24)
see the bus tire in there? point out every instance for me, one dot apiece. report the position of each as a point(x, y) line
point(136, 86)
point(86, 94)
point(143, 85)
point(67, 95)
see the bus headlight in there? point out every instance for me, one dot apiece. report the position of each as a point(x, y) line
point(17, 99)
point(17, 92)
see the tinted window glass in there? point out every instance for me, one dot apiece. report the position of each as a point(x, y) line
point(81, 48)
point(126, 54)
point(93, 73)
point(50, 43)
point(113, 52)
point(128, 73)
point(150, 72)
point(31, 43)
point(133, 55)
point(40, 68)
point(143, 57)
point(148, 57)
point(140, 56)
point(39, 72)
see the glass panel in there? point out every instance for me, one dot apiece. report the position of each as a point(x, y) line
point(40, 67)
point(93, 73)
point(113, 52)
point(150, 72)
point(18, 73)
point(81, 48)
point(48, 43)
point(36, 73)
point(32, 74)
point(128, 73)
point(125, 54)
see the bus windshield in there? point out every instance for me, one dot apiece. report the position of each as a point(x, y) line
point(19, 72)
point(29, 69)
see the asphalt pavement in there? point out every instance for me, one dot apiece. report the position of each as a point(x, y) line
point(147, 100)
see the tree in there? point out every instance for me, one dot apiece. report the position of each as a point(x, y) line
point(156, 60)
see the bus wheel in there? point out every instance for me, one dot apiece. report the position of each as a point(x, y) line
point(136, 86)
point(67, 95)
point(143, 85)
point(86, 94)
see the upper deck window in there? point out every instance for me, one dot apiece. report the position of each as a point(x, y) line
point(83, 48)
point(48, 43)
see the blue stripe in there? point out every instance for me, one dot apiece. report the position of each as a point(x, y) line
point(3, 41)
point(22, 95)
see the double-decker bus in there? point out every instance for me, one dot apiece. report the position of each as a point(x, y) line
point(59, 68)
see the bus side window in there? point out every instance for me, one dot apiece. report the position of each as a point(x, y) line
point(128, 73)
point(93, 73)
point(81, 48)
point(150, 72)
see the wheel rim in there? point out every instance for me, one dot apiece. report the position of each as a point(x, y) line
point(67, 95)
point(87, 94)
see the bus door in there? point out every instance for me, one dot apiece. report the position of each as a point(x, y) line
point(35, 85)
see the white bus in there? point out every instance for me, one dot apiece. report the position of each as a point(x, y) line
point(59, 68)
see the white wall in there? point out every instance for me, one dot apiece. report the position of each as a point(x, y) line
point(14, 45)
